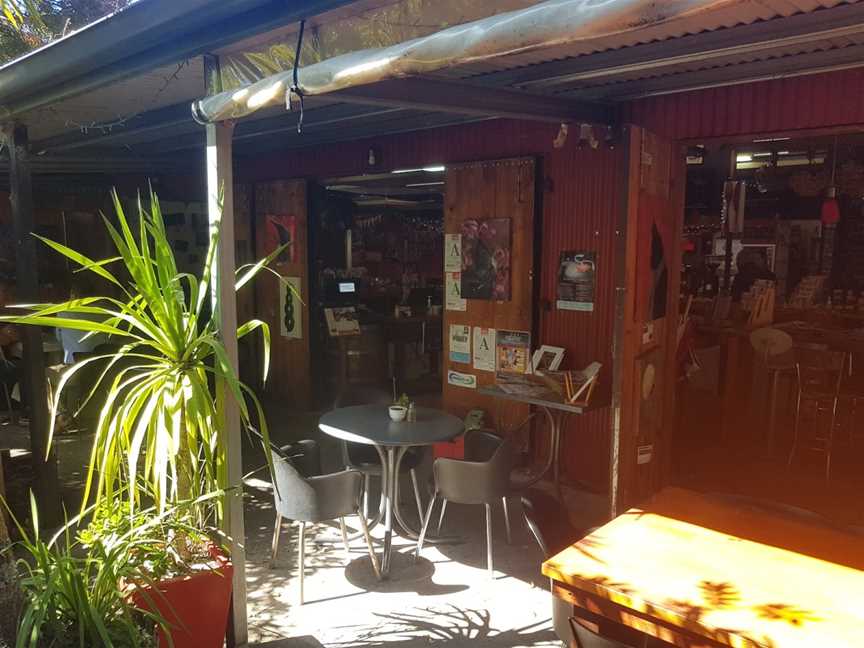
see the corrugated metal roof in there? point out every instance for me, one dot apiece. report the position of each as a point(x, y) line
point(746, 12)
point(110, 106)
point(748, 39)
point(610, 86)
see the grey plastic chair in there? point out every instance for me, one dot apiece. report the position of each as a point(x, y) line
point(315, 499)
point(483, 477)
point(365, 458)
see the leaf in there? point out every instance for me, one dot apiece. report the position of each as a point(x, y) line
point(85, 262)
point(255, 268)
point(250, 326)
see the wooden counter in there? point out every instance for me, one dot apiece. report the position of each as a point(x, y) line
point(696, 570)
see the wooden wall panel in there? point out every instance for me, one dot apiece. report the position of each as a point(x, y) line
point(581, 203)
point(484, 190)
point(290, 358)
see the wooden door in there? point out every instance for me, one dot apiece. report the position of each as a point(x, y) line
point(646, 330)
point(281, 216)
point(486, 192)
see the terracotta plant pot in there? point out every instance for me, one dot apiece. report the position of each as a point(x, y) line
point(195, 606)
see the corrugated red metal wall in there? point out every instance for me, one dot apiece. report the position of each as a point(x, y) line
point(579, 213)
point(580, 198)
point(779, 105)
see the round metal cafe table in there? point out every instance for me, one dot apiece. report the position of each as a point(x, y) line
point(371, 425)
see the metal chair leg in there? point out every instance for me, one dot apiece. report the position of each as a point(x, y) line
point(795, 429)
point(425, 526)
point(274, 548)
point(533, 528)
point(489, 540)
point(829, 442)
point(507, 519)
point(367, 480)
point(441, 516)
point(345, 538)
point(417, 494)
point(376, 567)
point(301, 558)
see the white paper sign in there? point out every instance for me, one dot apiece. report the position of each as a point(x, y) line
point(453, 290)
point(459, 379)
point(453, 253)
point(484, 349)
point(644, 454)
point(460, 343)
point(291, 308)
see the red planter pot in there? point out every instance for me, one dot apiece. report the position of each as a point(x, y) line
point(195, 606)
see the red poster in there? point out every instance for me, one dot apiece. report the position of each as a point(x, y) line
point(281, 229)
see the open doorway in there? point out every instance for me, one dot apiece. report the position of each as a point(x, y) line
point(378, 246)
point(772, 300)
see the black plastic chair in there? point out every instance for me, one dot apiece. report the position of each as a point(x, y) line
point(482, 478)
point(314, 499)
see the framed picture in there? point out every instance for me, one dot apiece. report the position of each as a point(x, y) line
point(547, 358)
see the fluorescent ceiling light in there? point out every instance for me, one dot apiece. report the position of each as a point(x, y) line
point(772, 139)
point(424, 184)
point(429, 169)
point(744, 157)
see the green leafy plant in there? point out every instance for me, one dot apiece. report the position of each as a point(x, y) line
point(402, 401)
point(18, 13)
point(160, 432)
point(74, 599)
point(80, 586)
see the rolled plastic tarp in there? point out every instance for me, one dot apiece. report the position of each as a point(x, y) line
point(547, 24)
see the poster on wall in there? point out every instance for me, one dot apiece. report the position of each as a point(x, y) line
point(453, 292)
point(290, 308)
point(279, 230)
point(452, 253)
point(576, 281)
point(460, 343)
point(513, 352)
point(484, 349)
point(486, 259)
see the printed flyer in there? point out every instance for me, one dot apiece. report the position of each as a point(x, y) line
point(459, 379)
point(453, 289)
point(484, 349)
point(460, 343)
point(576, 281)
point(453, 253)
point(513, 352)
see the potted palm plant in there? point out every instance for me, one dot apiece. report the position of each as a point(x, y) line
point(160, 438)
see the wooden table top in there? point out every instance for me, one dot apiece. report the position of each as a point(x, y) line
point(725, 571)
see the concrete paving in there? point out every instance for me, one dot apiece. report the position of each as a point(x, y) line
point(448, 600)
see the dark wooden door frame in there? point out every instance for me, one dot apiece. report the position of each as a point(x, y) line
point(623, 376)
